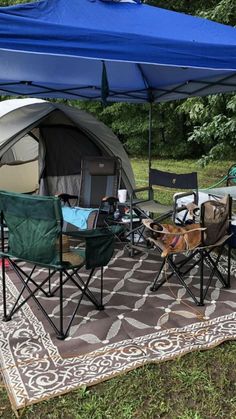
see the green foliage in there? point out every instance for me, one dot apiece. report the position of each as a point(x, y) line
point(12, 2)
point(214, 125)
point(224, 11)
point(212, 119)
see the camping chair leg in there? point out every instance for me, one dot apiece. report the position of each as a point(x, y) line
point(20, 274)
point(179, 276)
point(214, 264)
point(216, 270)
point(61, 334)
point(155, 286)
point(81, 286)
point(84, 290)
point(31, 294)
point(33, 282)
point(4, 289)
point(201, 296)
point(228, 285)
point(101, 290)
point(49, 284)
point(15, 266)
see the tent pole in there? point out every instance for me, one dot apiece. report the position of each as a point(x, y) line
point(150, 141)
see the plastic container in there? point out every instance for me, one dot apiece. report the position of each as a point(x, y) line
point(122, 195)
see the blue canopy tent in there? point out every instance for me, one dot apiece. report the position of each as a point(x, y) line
point(114, 51)
point(61, 48)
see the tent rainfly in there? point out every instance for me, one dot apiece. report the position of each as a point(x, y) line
point(114, 50)
point(56, 136)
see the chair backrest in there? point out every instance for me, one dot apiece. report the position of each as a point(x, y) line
point(34, 225)
point(173, 180)
point(215, 216)
point(100, 176)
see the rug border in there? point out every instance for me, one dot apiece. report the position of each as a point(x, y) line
point(133, 364)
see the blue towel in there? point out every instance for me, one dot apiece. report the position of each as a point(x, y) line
point(77, 216)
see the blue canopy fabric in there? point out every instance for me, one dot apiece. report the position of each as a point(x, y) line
point(118, 51)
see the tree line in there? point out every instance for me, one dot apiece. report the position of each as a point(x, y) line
point(197, 127)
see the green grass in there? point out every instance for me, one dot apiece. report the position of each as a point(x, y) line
point(200, 385)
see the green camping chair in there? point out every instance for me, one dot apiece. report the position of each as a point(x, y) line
point(35, 236)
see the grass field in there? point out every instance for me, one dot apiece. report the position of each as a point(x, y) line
point(200, 385)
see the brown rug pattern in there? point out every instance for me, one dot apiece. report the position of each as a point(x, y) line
point(136, 327)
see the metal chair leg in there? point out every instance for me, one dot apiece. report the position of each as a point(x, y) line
point(155, 286)
point(228, 267)
point(4, 290)
point(201, 295)
point(61, 335)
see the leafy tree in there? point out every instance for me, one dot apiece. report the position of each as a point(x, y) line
point(213, 118)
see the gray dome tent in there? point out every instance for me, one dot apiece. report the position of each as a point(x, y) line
point(53, 137)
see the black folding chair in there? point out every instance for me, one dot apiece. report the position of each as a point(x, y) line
point(35, 236)
point(215, 235)
point(184, 181)
point(151, 208)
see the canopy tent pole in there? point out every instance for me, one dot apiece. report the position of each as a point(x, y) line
point(150, 141)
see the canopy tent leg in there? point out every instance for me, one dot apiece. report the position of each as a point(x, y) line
point(150, 141)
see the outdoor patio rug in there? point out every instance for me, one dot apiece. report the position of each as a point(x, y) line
point(136, 327)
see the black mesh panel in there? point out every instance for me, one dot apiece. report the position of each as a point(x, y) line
point(65, 146)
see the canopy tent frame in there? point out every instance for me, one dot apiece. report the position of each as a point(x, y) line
point(113, 51)
point(129, 94)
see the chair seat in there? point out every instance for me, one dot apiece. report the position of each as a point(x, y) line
point(159, 243)
point(155, 207)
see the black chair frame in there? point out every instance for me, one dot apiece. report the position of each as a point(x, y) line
point(202, 257)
